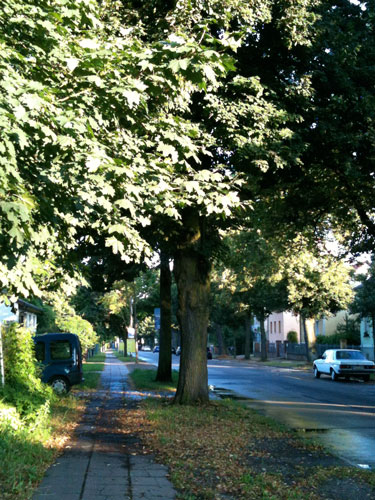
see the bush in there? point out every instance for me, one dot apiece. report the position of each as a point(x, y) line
point(292, 337)
point(23, 391)
point(19, 358)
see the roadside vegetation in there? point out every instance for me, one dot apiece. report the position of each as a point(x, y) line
point(226, 450)
point(121, 357)
point(35, 424)
point(146, 380)
point(91, 372)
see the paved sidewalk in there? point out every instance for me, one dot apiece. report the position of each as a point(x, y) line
point(100, 464)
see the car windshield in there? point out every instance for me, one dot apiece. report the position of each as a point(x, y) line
point(349, 355)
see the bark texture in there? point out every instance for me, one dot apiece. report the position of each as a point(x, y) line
point(306, 338)
point(164, 373)
point(247, 336)
point(263, 340)
point(192, 275)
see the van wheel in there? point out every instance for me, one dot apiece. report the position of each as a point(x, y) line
point(60, 385)
point(366, 378)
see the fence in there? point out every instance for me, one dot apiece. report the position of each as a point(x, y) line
point(289, 350)
point(298, 351)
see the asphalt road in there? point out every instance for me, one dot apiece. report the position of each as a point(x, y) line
point(340, 414)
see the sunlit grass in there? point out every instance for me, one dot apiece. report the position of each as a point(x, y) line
point(121, 357)
point(26, 453)
point(146, 380)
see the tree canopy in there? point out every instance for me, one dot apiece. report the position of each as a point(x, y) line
point(133, 126)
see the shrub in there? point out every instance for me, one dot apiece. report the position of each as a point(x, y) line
point(19, 359)
point(24, 391)
point(292, 337)
point(81, 327)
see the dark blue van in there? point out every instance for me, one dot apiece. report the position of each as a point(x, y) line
point(60, 355)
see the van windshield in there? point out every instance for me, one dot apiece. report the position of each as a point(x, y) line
point(60, 349)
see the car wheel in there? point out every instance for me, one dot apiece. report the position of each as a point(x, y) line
point(316, 372)
point(366, 378)
point(334, 375)
point(60, 385)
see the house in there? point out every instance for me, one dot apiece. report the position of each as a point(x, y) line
point(22, 312)
point(328, 325)
point(278, 325)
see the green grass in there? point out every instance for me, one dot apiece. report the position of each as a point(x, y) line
point(287, 364)
point(93, 367)
point(26, 453)
point(90, 369)
point(145, 380)
point(121, 357)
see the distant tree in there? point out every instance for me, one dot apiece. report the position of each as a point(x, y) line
point(350, 330)
point(81, 327)
point(318, 284)
point(254, 274)
point(364, 299)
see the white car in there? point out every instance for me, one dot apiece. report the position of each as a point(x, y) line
point(343, 363)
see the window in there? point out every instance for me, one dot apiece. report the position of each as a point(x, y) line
point(349, 355)
point(275, 327)
point(40, 351)
point(279, 326)
point(271, 325)
point(60, 349)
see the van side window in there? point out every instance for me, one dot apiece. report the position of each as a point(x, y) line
point(60, 349)
point(40, 351)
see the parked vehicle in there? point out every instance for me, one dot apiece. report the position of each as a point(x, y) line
point(343, 363)
point(209, 353)
point(156, 349)
point(60, 355)
point(146, 348)
point(178, 351)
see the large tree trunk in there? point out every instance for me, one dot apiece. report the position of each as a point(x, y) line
point(125, 340)
point(373, 332)
point(306, 338)
point(263, 340)
point(247, 336)
point(164, 373)
point(192, 273)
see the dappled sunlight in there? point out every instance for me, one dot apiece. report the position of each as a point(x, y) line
point(315, 405)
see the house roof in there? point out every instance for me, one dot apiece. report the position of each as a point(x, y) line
point(27, 306)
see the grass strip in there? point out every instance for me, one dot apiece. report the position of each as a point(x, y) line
point(146, 380)
point(90, 373)
point(287, 364)
point(121, 357)
point(225, 450)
